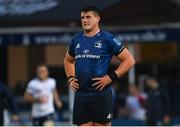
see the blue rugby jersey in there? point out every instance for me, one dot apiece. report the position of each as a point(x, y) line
point(92, 59)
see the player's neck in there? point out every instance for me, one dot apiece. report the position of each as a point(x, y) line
point(92, 32)
point(43, 79)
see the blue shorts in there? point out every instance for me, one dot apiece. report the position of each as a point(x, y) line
point(93, 109)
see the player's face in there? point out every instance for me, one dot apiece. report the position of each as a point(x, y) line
point(89, 20)
point(42, 73)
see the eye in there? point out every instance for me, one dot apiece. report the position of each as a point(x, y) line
point(88, 17)
point(82, 17)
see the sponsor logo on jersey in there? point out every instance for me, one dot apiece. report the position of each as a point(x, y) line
point(85, 51)
point(89, 56)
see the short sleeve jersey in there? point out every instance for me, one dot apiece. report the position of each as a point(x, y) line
point(38, 88)
point(92, 58)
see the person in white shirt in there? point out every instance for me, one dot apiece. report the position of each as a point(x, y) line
point(42, 93)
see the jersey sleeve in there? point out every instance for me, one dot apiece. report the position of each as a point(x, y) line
point(71, 49)
point(53, 84)
point(115, 45)
point(30, 88)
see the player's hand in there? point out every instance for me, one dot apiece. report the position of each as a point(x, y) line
point(102, 82)
point(59, 104)
point(74, 85)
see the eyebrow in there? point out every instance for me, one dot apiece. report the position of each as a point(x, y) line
point(85, 16)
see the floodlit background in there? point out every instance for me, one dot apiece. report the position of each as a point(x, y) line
point(36, 31)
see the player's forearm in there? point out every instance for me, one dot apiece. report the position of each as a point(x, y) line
point(58, 103)
point(69, 68)
point(57, 98)
point(125, 66)
point(30, 99)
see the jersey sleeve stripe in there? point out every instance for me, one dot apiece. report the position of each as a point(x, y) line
point(121, 49)
point(71, 54)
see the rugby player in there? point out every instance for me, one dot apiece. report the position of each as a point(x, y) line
point(42, 93)
point(86, 65)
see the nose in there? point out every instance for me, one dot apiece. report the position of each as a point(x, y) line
point(85, 19)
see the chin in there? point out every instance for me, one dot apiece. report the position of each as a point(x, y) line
point(87, 29)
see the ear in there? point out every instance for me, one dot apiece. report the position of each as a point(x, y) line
point(98, 18)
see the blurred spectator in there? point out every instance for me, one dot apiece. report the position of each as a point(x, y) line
point(134, 103)
point(119, 110)
point(42, 93)
point(158, 104)
point(7, 100)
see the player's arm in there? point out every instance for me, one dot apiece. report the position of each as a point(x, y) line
point(29, 98)
point(69, 62)
point(57, 99)
point(69, 66)
point(127, 62)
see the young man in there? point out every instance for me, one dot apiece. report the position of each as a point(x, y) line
point(86, 64)
point(42, 93)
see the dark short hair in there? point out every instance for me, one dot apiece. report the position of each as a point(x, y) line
point(42, 65)
point(91, 8)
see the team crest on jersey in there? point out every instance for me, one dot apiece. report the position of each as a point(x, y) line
point(77, 46)
point(98, 44)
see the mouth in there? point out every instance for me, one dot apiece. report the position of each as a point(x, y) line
point(85, 24)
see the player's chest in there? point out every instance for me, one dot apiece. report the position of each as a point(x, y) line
point(90, 47)
point(43, 88)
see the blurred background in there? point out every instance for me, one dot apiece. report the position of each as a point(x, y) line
point(36, 31)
